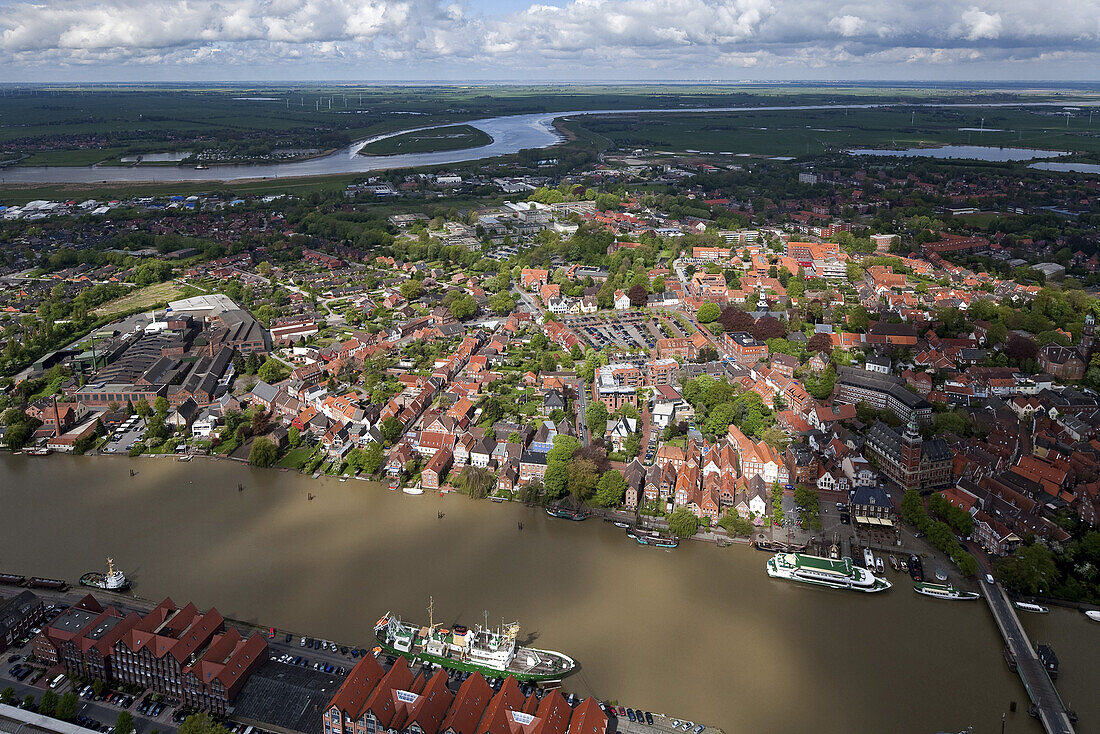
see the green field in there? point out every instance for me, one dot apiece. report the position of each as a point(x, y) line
point(143, 298)
point(454, 137)
point(810, 132)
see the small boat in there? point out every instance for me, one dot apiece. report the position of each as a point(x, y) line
point(879, 565)
point(415, 489)
point(394, 484)
point(903, 566)
point(894, 562)
point(184, 458)
point(201, 167)
point(1029, 607)
point(941, 575)
point(621, 524)
point(869, 559)
point(38, 452)
point(1093, 615)
point(916, 568)
point(496, 499)
point(652, 538)
point(943, 591)
point(566, 514)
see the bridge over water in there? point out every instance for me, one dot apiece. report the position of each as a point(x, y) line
point(1046, 704)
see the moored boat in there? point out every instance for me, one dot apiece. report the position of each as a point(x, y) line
point(880, 567)
point(943, 591)
point(493, 653)
point(916, 568)
point(575, 515)
point(113, 580)
point(1093, 615)
point(894, 562)
point(416, 489)
point(835, 574)
point(1029, 607)
point(653, 538)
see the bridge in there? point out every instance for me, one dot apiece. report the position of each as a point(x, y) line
point(1046, 704)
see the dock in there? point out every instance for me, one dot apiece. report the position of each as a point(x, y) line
point(1046, 704)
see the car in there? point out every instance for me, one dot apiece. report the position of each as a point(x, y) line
point(289, 637)
point(687, 725)
point(343, 650)
point(15, 658)
point(630, 714)
point(302, 642)
point(649, 718)
point(675, 723)
point(699, 729)
point(989, 579)
point(271, 633)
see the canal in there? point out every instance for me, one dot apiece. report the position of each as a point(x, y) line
point(697, 632)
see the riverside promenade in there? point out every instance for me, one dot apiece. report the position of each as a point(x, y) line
point(1046, 704)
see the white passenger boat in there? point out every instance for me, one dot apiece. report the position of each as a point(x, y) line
point(1029, 607)
point(836, 574)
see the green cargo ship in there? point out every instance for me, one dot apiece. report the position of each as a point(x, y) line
point(493, 653)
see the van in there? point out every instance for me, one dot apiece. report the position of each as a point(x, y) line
point(56, 682)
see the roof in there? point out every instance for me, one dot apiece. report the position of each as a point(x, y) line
point(353, 692)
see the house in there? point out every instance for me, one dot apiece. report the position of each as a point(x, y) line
point(432, 475)
point(618, 431)
point(871, 501)
point(622, 300)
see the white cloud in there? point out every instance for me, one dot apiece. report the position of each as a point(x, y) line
point(582, 38)
point(847, 25)
point(979, 24)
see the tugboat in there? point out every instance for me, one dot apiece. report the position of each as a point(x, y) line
point(115, 580)
point(493, 653)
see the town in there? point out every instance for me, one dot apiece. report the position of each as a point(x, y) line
point(737, 351)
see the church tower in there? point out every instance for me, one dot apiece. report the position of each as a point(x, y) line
point(1088, 338)
point(910, 451)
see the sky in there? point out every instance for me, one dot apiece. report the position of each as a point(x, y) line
point(551, 41)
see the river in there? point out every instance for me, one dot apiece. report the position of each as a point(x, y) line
point(698, 632)
point(510, 134)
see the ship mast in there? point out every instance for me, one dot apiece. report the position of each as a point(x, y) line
point(110, 566)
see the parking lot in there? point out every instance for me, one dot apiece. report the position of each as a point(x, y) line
point(124, 438)
point(644, 722)
point(626, 332)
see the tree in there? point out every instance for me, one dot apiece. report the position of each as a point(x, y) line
point(464, 307)
point(556, 479)
point(708, 313)
point(595, 415)
point(819, 343)
point(98, 687)
point(1020, 349)
point(768, 327)
point(735, 524)
point(47, 706)
point(1030, 569)
point(581, 478)
point(611, 489)
point(160, 405)
point(912, 509)
point(411, 289)
point(373, 457)
point(477, 481)
point(201, 724)
point(734, 319)
point(124, 724)
point(777, 503)
point(502, 303)
point(66, 707)
point(638, 295)
point(391, 429)
point(272, 371)
point(7, 695)
point(293, 437)
point(632, 445)
point(263, 453)
point(683, 523)
point(28, 702)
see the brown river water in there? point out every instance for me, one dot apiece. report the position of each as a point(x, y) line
point(699, 632)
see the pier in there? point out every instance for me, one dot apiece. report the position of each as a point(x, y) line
point(1046, 704)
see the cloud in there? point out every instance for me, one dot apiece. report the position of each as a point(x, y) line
point(848, 25)
point(979, 24)
point(581, 38)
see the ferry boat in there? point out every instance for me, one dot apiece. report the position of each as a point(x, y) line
point(1093, 615)
point(1029, 607)
point(493, 653)
point(114, 580)
point(943, 591)
point(839, 574)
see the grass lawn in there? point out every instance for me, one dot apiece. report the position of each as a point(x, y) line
point(295, 458)
point(142, 298)
point(454, 137)
point(71, 157)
